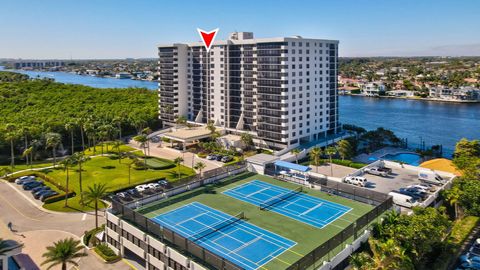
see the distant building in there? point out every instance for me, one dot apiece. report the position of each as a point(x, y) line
point(373, 89)
point(459, 94)
point(38, 64)
point(400, 93)
point(123, 75)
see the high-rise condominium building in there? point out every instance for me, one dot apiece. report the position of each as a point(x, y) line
point(281, 90)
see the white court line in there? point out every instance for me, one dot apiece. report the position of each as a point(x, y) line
point(256, 192)
point(253, 228)
point(307, 197)
point(311, 209)
point(258, 233)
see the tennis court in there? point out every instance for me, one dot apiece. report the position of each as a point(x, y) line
point(291, 203)
point(228, 236)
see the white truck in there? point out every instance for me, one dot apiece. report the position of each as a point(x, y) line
point(403, 200)
point(356, 180)
point(430, 177)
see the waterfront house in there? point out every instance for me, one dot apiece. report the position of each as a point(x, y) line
point(400, 93)
point(459, 94)
point(373, 89)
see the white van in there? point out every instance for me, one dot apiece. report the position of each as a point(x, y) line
point(356, 180)
point(430, 177)
point(403, 200)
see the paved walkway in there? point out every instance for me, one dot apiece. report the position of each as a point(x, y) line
point(156, 150)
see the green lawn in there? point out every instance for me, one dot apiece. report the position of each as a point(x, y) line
point(306, 236)
point(158, 163)
point(97, 150)
point(22, 167)
point(106, 170)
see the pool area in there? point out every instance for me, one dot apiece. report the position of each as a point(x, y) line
point(407, 158)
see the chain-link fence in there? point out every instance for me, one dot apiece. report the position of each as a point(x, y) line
point(335, 244)
point(180, 243)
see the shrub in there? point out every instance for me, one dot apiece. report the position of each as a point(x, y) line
point(106, 253)
point(88, 235)
point(202, 155)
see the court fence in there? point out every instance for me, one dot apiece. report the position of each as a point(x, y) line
point(338, 242)
point(336, 188)
point(184, 245)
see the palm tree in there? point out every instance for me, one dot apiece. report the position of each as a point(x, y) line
point(116, 146)
point(247, 139)
point(344, 149)
point(295, 152)
point(118, 121)
point(11, 135)
point(134, 160)
point(80, 158)
point(95, 194)
point(142, 140)
point(63, 252)
point(52, 141)
point(26, 154)
point(69, 161)
point(70, 127)
point(200, 166)
point(453, 196)
point(80, 123)
point(147, 131)
point(330, 151)
point(177, 162)
point(315, 154)
point(181, 120)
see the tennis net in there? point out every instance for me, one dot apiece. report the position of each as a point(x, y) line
point(218, 226)
point(282, 197)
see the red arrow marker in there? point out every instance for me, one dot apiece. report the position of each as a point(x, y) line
point(207, 37)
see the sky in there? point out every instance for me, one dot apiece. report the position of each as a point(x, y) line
point(88, 29)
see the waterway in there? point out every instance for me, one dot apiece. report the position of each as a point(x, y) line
point(417, 121)
point(428, 121)
point(98, 82)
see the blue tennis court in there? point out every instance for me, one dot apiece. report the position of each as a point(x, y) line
point(234, 239)
point(311, 210)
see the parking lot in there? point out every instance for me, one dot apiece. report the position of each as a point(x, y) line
point(399, 178)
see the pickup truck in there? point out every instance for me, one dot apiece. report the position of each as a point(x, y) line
point(378, 171)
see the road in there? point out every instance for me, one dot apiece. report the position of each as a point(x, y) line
point(37, 228)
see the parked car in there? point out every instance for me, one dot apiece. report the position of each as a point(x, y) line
point(124, 196)
point(431, 177)
point(24, 179)
point(219, 158)
point(20, 180)
point(30, 185)
point(39, 188)
point(48, 195)
point(133, 193)
point(164, 183)
point(141, 188)
point(155, 139)
point(356, 180)
point(212, 157)
point(376, 171)
point(154, 185)
point(414, 193)
point(421, 187)
point(226, 159)
point(475, 249)
point(38, 194)
point(403, 200)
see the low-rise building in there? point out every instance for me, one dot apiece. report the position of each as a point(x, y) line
point(458, 94)
point(400, 93)
point(373, 89)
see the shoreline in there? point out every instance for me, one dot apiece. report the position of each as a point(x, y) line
point(418, 99)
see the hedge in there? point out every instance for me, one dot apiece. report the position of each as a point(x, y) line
point(88, 235)
point(106, 253)
point(59, 197)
